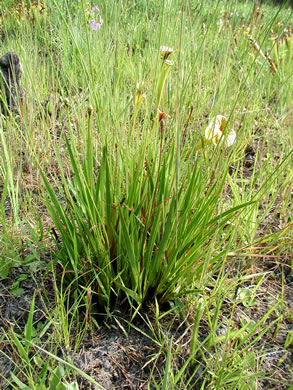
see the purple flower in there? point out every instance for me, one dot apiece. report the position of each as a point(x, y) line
point(96, 25)
point(95, 9)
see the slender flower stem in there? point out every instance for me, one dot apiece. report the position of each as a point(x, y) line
point(163, 77)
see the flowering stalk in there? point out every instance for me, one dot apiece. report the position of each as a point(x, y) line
point(163, 77)
point(165, 51)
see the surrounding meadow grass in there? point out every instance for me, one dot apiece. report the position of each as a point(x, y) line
point(112, 188)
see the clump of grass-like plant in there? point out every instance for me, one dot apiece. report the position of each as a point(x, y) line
point(126, 229)
point(130, 225)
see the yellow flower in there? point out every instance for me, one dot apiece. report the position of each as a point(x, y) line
point(214, 131)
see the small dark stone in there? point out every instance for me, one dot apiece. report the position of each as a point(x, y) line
point(10, 71)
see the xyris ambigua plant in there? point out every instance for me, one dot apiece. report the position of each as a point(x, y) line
point(119, 230)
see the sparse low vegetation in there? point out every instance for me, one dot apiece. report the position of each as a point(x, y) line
point(146, 195)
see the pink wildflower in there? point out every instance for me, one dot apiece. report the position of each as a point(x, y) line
point(96, 25)
point(95, 9)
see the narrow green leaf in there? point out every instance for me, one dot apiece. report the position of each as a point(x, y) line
point(56, 377)
point(166, 380)
point(21, 349)
point(29, 325)
point(21, 385)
